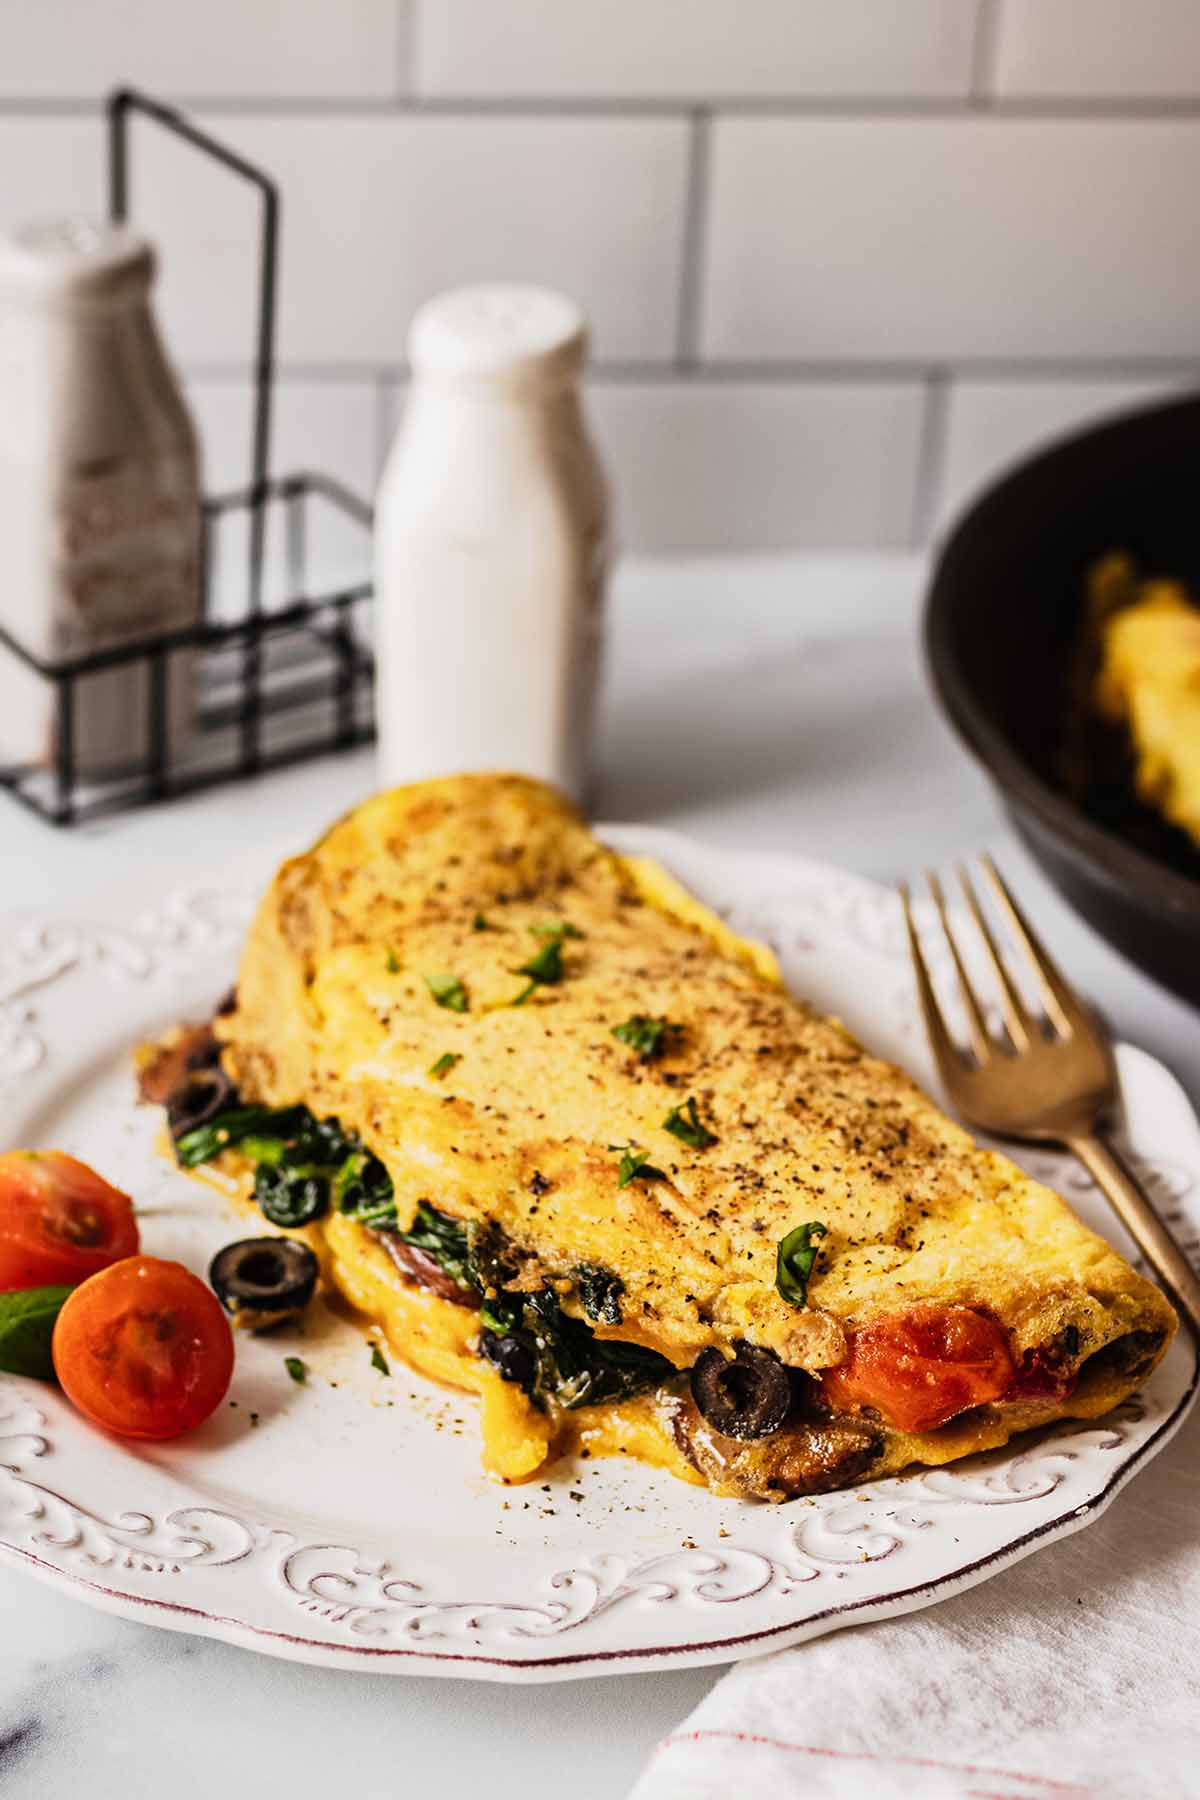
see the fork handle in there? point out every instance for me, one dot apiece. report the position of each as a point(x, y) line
point(1127, 1199)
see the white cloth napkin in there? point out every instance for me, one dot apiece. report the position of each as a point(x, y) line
point(1076, 1673)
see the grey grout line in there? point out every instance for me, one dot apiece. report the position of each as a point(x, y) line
point(767, 371)
point(881, 108)
point(693, 244)
point(931, 458)
point(988, 23)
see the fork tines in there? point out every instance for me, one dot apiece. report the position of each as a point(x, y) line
point(1063, 1009)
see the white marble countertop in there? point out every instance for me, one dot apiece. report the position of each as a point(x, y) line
point(774, 704)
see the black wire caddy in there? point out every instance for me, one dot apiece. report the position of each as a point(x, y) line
point(287, 676)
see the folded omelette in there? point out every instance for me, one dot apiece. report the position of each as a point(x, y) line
point(571, 1145)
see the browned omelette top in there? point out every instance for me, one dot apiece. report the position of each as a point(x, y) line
point(448, 880)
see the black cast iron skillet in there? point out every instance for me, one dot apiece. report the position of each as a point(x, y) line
point(1002, 630)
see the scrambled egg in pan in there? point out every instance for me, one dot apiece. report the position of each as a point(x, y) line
point(1149, 683)
point(588, 1158)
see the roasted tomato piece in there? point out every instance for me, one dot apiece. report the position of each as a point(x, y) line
point(59, 1221)
point(144, 1349)
point(918, 1368)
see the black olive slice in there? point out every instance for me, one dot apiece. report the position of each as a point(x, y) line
point(509, 1356)
point(261, 1281)
point(200, 1096)
point(747, 1397)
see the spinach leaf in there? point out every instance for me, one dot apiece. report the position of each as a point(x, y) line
point(26, 1326)
point(685, 1123)
point(794, 1263)
point(444, 1239)
point(561, 1360)
point(599, 1294)
point(228, 1128)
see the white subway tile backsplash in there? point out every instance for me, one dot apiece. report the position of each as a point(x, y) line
point(380, 212)
point(952, 238)
point(636, 49)
point(993, 424)
point(728, 466)
point(326, 49)
point(321, 427)
point(49, 167)
point(1086, 48)
point(327, 426)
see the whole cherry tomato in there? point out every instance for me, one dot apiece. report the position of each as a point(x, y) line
point(144, 1349)
point(59, 1221)
point(919, 1368)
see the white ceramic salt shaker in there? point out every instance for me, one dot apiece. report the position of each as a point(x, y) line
point(100, 515)
point(491, 546)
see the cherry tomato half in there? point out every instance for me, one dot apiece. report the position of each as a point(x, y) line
point(59, 1221)
point(921, 1367)
point(144, 1349)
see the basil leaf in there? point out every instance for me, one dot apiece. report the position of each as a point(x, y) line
point(379, 1360)
point(794, 1263)
point(448, 991)
point(296, 1369)
point(26, 1326)
point(643, 1034)
point(685, 1124)
point(444, 1063)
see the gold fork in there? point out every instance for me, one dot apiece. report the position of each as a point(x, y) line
point(1053, 1080)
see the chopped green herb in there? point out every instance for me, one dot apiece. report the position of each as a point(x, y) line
point(634, 1166)
point(26, 1326)
point(444, 1063)
point(479, 923)
point(794, 1264)
point(379, 1360)
point(684, 1122)
point(448, 991)
point(393, 963)
point(296, 1369)
point(643, 1034)
point(544, 968)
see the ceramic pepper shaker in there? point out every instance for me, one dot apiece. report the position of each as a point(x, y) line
point(100, 516)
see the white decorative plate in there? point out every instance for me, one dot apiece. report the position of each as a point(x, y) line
point(346, 1522)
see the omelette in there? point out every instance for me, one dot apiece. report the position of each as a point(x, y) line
point(569, 1144)
point(1148, 684)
